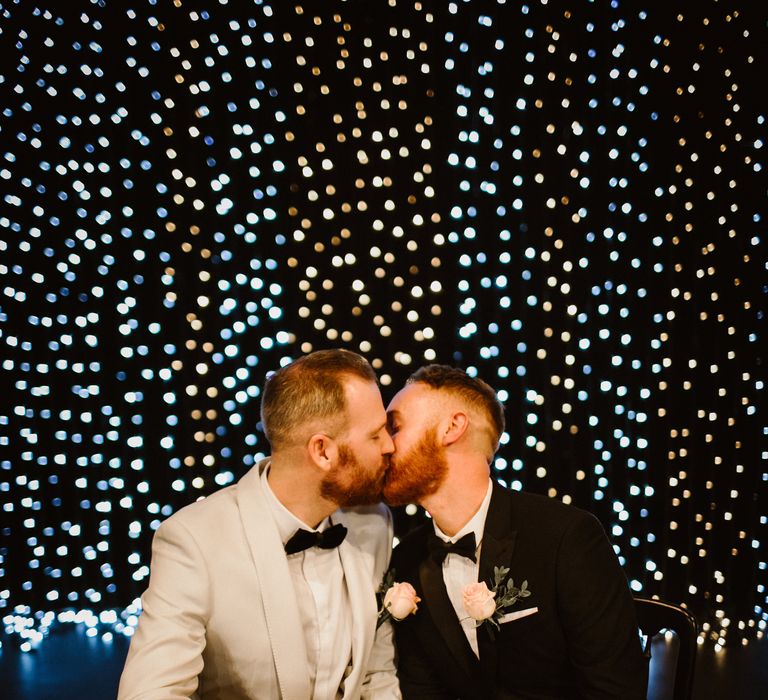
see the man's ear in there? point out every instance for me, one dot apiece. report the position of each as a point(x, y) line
point(322, 450)
point(454, 427)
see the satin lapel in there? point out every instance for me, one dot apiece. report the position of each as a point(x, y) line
point(280, 607)
point(498, 535)
point(496, 550)
point(435, 599)
point(362, 600)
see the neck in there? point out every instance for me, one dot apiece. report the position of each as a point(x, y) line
point(457, 500)
point(298, 489)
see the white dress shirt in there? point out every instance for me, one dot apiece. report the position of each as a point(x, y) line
point(459, 571)
point(321, 593)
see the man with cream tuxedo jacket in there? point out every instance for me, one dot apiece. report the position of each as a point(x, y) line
point(565, 625)
point(267, 589)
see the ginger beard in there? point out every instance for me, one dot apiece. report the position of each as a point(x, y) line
point(348, 483)
point(416, 474)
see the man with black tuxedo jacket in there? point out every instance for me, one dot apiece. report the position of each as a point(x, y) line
point(568, 627)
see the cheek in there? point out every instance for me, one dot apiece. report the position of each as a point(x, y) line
point(402, 441)
point(369, 455)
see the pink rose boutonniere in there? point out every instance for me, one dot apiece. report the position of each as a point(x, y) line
point(398, 599)
point(485, 604)
point(479, 601)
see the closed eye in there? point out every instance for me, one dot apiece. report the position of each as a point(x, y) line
point(378, 434)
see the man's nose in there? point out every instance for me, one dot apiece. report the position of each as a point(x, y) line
point(387, 445)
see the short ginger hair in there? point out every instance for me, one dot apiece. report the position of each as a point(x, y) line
point(472, 391)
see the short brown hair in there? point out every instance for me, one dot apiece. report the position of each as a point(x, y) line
point(472, 390)
point(308, 389)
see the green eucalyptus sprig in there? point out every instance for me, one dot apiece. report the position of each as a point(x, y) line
point(506, 593)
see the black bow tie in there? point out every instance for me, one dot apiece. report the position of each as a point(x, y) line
point(464, 546)
point(327, 539)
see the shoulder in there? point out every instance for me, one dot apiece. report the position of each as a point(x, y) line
point(225, 499)
point(204, 506)
point(537, 518)
point(537, 507)
point(220, 507)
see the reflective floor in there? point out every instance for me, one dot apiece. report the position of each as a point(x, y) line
point(65, 666)
point(71, 666)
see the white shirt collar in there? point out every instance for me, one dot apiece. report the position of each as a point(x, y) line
point(287, 523)
point(475, 524)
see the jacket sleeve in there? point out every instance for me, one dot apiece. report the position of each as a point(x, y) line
point(165, 655)
point(598, 615)
point(380, 682)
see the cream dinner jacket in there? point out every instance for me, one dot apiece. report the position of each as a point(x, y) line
point(220, 619)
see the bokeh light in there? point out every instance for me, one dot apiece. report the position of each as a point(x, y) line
point(566, 199)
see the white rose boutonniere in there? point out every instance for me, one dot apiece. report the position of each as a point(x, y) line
point(485, 604)
point(398, 599)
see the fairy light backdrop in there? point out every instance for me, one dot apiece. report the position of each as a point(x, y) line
point(565, 198)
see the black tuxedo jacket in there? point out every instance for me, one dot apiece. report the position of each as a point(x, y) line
point(583, 642)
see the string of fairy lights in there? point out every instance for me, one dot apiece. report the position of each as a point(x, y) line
point(566, 199)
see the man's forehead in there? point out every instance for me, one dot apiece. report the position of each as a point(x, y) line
point(358, 387)
point(363, 399)
point(412, 394)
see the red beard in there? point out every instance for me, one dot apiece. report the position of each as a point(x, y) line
point(416, 474)
point(348, 484)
